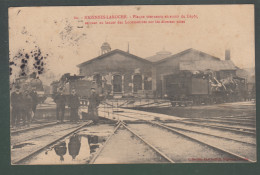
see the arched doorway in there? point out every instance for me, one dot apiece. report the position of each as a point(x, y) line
point(117, 83)
point(137, 82)
point(147, 83)
point(98, 79)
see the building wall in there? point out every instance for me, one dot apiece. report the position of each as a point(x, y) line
point(171, 66)
point(152, 74)
point(115, 63)
point(118, 64)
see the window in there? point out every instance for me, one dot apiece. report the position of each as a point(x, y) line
point(98, 79)
point(147, 83)
point(117, 83)
point(137, 81)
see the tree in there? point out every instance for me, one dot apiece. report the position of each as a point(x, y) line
point(25, 63)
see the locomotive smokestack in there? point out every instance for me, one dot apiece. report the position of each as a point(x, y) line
point(227, 55)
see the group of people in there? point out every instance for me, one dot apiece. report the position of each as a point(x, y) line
point(23, 104)
point(73, 103)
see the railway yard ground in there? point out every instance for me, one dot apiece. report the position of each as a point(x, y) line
point(246, 109)
point(144, 131)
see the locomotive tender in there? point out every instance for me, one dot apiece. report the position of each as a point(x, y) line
point(196, 88)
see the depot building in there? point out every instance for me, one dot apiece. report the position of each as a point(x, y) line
point(123, 74)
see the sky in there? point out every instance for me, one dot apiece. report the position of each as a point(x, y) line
point(55, 31)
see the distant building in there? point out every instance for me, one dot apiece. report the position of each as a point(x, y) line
point(190, 60)
point(105, 48)
point(125, 74)
point(249, 75)
point(120, 72)
point(159, 56)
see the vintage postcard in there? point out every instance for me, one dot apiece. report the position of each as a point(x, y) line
point(132, 84)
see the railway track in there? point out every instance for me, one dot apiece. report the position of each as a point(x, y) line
point(157, 156)
point(230, 119)
point(171, 153)
point(250, 125)
point(38, 149)
point(212, 135)
point(152, 141)
point(247, 131)
point(32, 136)
point(236, 122)
point(38, 126)
point(237, 149)
point(242, 146)
point(240, 135)
point(217, 132)
point(242, 130)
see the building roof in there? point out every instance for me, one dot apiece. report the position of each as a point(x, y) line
point(203, 65)
point(111, 53)
point(159, 56)
point(184, 52)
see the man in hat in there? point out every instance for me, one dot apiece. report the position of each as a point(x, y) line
point(34, 97)
point(74, 104)
point(93, 105)
point(27, 108)
point(16, 103)
point(60, 101)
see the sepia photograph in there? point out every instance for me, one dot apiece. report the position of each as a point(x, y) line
point(146, 84)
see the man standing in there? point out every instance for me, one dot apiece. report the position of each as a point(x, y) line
point(16, 102)
point(74, 105)
point(60, 101)
point(27, 109)
point(93, 105)
point(34, 97)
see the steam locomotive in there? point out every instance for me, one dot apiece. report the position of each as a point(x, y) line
point(81, 84)
point(31, 82)
point(187, 88)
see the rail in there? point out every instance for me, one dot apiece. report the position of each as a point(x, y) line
point(24, 159)
point(120, 123)
point(194, 139)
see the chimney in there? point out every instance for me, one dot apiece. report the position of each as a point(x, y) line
point(227, 55)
